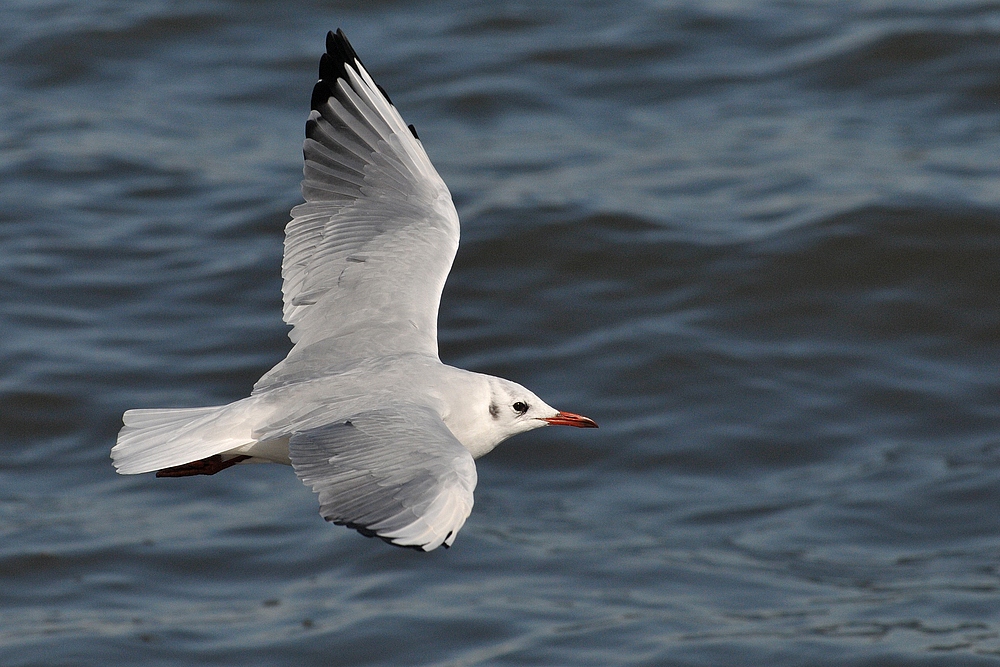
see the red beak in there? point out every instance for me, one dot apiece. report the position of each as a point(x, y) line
point(569, 419)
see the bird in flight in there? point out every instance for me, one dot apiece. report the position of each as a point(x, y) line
point(362, 407)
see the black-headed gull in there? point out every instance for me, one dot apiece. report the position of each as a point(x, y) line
point(362, 407)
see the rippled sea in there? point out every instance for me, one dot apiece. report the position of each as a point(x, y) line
point(758, 242)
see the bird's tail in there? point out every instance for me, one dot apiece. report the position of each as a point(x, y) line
point(163, 438)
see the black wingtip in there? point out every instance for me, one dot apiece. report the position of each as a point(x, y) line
point(321, 93)
point(339, 55)
point(368, 532)
point(337, 45)
point(333, 65)
point(413, 131)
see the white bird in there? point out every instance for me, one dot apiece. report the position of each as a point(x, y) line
point(362, 407)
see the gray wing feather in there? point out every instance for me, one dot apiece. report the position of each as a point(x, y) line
point(397, 473)
point(373, 243)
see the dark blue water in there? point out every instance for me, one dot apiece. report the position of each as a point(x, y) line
point(758, 242)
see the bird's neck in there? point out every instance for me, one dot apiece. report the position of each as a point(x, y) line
point(465, 398)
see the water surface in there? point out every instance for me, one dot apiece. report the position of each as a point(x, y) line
point(758, 242)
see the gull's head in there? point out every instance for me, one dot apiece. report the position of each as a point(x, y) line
point(505, 410)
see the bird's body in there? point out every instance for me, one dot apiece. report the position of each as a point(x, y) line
point(362, 407)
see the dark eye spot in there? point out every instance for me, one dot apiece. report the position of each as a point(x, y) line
point(494, 410)
point(520, 407)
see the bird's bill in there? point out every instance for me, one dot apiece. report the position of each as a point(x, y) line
point(569, 419)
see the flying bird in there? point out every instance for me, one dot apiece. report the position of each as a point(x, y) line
point(362, 407)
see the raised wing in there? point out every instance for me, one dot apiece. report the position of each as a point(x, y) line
point(396, 473)
point(368, 252)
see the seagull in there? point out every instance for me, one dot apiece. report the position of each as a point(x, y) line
point(362, 408)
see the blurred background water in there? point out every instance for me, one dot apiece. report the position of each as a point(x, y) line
point(758, 242)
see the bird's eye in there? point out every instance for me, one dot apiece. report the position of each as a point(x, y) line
point(520, 407)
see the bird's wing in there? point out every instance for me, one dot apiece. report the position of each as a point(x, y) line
point(397, 473)
point(371, 247)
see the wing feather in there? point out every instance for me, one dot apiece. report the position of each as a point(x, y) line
point(371, 247)
point(397, 473)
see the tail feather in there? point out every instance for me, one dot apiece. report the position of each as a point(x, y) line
point(163, 438)
point(157, 416)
